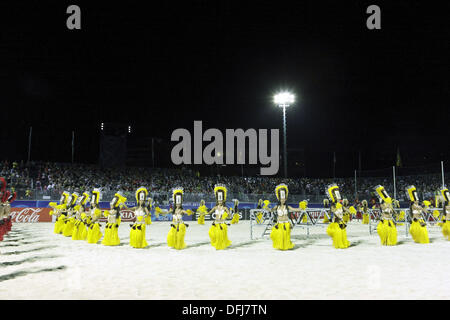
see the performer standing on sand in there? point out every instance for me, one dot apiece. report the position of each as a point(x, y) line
point(111, 237)
point(141, 211)
point(446, 213)
point(60, 212)
point(94, 233)
point(418, 229)
point(218, 233)
point(79, 229)
point(175, 237)
point(386, 227)
point(337, 228)
point(281, 231)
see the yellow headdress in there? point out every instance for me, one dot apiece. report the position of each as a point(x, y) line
point(141, 194)
point(95, 198)
point(220, 191)
point(177, 195)
point(281, 191)
point(84, 198)
point(446, 195)
point(64, 197)
point(118, 200)
point(382, 194)
point(73, 199)
point(364, 203)
point(412, 193)
point(326, 203)
point(333, 193)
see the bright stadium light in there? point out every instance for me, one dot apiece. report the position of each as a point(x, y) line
point(284, 100)
point(129, 129)
point(101, 126)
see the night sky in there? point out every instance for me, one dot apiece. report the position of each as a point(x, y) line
point(160, 66)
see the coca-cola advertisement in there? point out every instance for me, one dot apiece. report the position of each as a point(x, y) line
point(30, 215)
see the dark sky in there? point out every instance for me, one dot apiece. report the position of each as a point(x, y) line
point(162, 65)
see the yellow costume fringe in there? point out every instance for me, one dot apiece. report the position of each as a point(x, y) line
point(137, 233)
point(281, 236)
point(94, 234)
point(218, 233)
point(446, 229)
point(388, 232)
point(175, 237)
point(338, 235)
point(419, 233)
point(111, 237)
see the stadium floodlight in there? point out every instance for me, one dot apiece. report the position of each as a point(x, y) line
point(101, 126)
point(284, 100)
point(129, 129)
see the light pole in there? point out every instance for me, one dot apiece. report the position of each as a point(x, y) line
point(284, 100)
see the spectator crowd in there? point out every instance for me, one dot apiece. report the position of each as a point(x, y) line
point(52, 178)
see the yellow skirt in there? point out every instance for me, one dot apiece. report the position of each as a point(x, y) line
point(365, 218)
point(235, 218)
point(325, 219)
point(338, 235)
point(281, 236)
point(446, 229)
point(346, 217)
point(218, 233)
point(388, 233)
point(148, 219)
point(94, 234)
point(69, 224)
point(79, 231)
point(137, 236)
point(111, 237)
point(201, 219)
point(59, 224)
point(175, 237)
point(419, 233)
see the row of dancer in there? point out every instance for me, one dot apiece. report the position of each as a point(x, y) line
point(74, 219)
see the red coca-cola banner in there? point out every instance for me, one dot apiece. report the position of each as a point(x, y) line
point(31, 215)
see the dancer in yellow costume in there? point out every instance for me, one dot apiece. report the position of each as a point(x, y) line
point(349, 211)
point(235, 218)
point(281, 231)
point(177, 232)
point(418, 229)
point(141, 211)
point(446, 213)
point(364, 209)
point(337, 228)
point(60, 212)
point(111, 237)
point(259, 214)
point(303, 205)
point(94, 233)
point(202, 210)
point(218, 233)
point(386, 227)
point(326, 206)
point(69, 223)
point(79, 229)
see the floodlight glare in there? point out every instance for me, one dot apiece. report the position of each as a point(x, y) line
point(284, 99)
